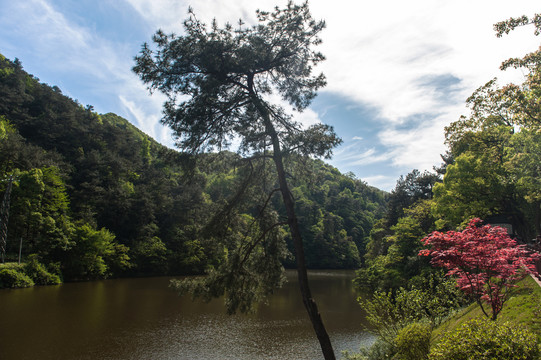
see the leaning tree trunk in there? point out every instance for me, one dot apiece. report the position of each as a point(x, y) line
point(537, 205)
point(309, 302)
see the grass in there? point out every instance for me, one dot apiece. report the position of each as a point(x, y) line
point(523, 308)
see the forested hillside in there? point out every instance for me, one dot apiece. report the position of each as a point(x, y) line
point(94, 197)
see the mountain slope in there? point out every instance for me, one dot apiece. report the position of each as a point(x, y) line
point(154, 201)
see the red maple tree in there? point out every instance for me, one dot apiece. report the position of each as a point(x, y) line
point(485, 260)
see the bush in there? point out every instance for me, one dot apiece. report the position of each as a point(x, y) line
point(14, 277)
point(378, 351)
point(413, 342)
point(37, 272)
point(93, 254)
point(485, 339)
point(403, 320)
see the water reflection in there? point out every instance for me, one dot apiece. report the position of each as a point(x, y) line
point(144, 319)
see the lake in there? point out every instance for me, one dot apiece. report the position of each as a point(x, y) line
point(145, 319)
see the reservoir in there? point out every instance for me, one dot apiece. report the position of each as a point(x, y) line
point(143, 318)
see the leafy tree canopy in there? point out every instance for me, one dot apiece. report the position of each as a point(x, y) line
point(498, 143)
point(218, 81)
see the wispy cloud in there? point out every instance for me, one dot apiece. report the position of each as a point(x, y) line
point(381, 181)
point(370, 156)
point(146, 121)
point(353, 154)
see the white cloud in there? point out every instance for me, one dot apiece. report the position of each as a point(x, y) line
point(307, 118)
point(370, 156)
point(50, 25)
point(147, 121)
point(163, 14)
point(377, 51)
point(57, 40)
point(416, 148)
point(351, 155)
point(381, 181)
point(63, 45)
point(169, 14)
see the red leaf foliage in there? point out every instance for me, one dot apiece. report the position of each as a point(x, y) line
point(484, 259)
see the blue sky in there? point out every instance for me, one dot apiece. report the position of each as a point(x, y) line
point(398, 71)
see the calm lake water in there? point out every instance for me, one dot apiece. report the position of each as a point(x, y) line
point(145, 319)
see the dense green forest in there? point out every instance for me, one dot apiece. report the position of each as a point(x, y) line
point(94, 197)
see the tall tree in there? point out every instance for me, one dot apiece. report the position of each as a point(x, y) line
point(219, 81)
point(496, 169)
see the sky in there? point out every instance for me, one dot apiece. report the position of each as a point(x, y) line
point(397, 71)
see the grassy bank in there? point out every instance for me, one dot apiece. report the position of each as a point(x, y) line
point(404, 334)
point(523, 308)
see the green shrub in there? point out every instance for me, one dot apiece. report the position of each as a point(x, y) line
point(11, 265)
point(12, 277)
point(37, 272)
point(346, 355)
point(413, 342)
point(378, 351)
point(482, 339)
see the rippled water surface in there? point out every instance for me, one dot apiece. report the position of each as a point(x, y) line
point(145, 319)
